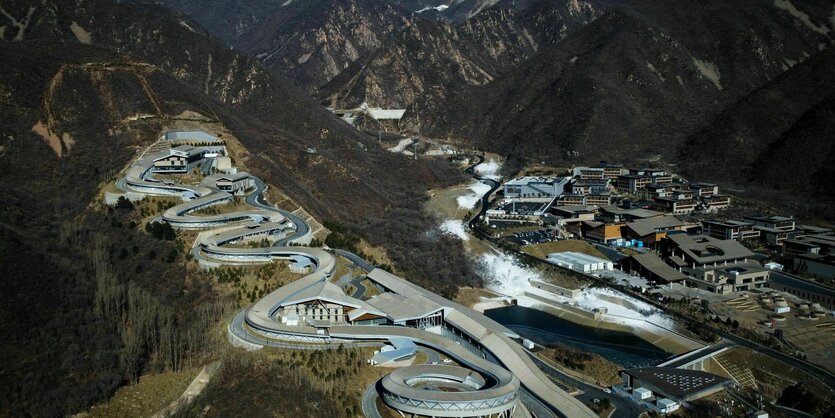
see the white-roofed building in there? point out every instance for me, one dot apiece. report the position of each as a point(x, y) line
point(642, 393)
point(399, 350)
point(579, 261)
point(667, 406)
point(413, 311)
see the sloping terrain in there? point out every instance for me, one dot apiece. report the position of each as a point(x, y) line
point(87, 300)
point(429, 60)
point(308, 41)
point(777, 139)
point(634, 82)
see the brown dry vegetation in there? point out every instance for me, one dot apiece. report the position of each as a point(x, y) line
point(587, 364)
point(773, 376)
point(469, 296)
point(542, 250)
point(152, 393)
point(288, 383)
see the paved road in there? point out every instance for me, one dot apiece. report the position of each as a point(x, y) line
point(624, 407)
point(369, 400)
point(432, 356)
point(355, 259)
point(359, 288)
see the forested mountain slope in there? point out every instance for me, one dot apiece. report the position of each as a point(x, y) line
point(635, 82)
point(94, 82)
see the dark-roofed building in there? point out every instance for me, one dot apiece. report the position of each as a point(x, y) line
point(573, 213)
point(604, 233)
point(234, 183)
point(179, 159)
point(815, 265)
point(591, 173)
point(611, 170)
point(617, 214)
point(705, 251)
point(814, 244)
point(584, 187)
point(774, 229)
point(681, 385)
point(652, 230)
point(653, 268)
point(600, 199)
point(704, 189)
point(728, 279)
point(716, 202)
point(735, 230)
point(660, 190)
point(631, 183)
point(675, 204)
point(811, 229)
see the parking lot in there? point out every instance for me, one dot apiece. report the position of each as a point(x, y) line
point(522, 208)
point(532, 237)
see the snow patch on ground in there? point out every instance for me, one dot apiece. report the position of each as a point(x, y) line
point(709, 70)
point(440, 8)
point(503, 274)
point(631, 308)
point(80, 33)
point(788, 6)
point(455, 228)
point(489, 169)
point(470, 200)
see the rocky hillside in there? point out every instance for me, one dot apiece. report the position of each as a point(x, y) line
point(636, 81)
point(86, 93)
point(325, 46)
point(308, 41)
point(777, 140)
point(429, 60)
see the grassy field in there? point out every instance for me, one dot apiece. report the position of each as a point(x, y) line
point(542, 170)
point(420, 358)
point(469, 296)
point(289, 383)
point(378, 254)
point(370, 289)
point(542, 250)
point(443, 204)
point(593, 366)
point(772, 375)
point(152, 393)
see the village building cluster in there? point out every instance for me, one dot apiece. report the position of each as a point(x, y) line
point(662, 227)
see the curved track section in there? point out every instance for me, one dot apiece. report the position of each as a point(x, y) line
point(448, 391)
point(483, 388)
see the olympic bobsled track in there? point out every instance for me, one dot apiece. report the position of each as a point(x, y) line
point(480, 388)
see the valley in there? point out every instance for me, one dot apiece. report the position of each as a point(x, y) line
point(504, 208)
